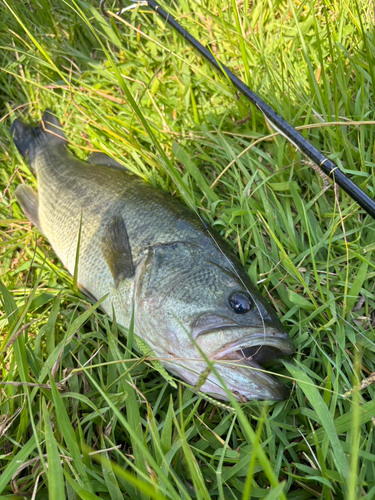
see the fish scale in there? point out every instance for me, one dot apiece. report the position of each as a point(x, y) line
point(192, 300)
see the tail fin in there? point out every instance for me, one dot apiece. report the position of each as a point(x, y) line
point(30, 139)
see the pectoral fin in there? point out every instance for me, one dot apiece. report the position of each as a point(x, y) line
point(117, 251)
point(29, 202)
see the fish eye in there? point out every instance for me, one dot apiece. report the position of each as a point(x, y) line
point(240, 303)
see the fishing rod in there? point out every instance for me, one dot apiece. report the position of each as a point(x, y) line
point(275, 120)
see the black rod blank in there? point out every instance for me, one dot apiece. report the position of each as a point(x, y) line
point(281, 125)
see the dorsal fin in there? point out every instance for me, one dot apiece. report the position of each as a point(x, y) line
point(105, 161)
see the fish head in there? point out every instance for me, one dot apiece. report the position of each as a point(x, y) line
point(197, 305)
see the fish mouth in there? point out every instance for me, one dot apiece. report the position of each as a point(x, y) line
point(258, 349)
point(252, 353)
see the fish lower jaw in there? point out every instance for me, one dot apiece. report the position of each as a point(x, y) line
point(247, 381)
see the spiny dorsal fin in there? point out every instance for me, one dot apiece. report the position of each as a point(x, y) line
point(29, 202)
point(117, 251)
point(105, 161)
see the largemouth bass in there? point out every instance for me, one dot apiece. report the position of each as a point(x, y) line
point(150, 254)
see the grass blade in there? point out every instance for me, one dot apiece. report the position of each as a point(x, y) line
point(56, 488)
point(317, 402)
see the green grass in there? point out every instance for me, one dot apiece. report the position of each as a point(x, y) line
point(82, 415)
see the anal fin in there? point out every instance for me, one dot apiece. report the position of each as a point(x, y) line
point(117, 251)
point(29, 202)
